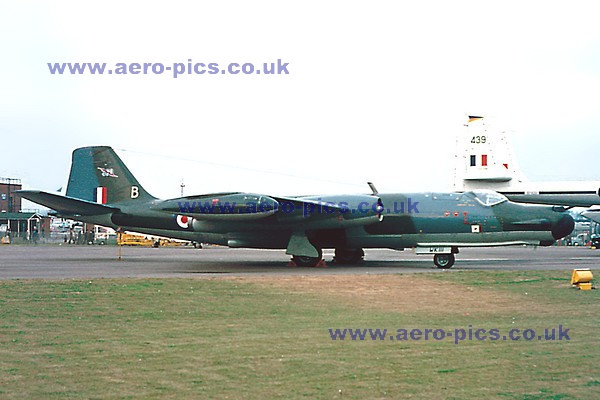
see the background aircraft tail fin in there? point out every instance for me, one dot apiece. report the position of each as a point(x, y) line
point(484, 158)
point(99, 175)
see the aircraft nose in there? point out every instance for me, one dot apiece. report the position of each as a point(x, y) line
point(563, 227)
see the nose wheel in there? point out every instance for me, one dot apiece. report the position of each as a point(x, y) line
point(444, 261)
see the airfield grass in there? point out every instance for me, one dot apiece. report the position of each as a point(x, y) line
point(267, 337)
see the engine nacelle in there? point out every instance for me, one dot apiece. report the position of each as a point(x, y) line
point(222, 204)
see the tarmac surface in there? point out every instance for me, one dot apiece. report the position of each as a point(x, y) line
point(90, 261)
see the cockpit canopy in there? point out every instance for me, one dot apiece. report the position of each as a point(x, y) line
point(488, 198)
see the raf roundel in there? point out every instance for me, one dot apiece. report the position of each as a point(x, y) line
point(183, 221)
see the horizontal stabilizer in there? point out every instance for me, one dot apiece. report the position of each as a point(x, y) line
point(487, 178)
point(564, 199)
point(594, 215)
point(66, 205)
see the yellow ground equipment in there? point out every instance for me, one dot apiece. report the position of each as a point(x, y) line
point(172, 242)
point(582, 279)
point(128, 239)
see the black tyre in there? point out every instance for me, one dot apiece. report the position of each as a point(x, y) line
point(348, 256)
point(304, 261)
point(444, 261)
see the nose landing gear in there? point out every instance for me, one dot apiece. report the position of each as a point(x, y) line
point(444, 261)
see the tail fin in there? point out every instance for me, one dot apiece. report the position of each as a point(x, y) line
point(484, 158)
point(99, 175)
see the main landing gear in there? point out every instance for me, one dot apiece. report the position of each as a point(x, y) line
point(348, 256)
point(304, 261)
point(342, 256)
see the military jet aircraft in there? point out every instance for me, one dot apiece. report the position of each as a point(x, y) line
point(102, 190)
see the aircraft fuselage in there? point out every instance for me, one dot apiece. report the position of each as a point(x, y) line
point(409, 220)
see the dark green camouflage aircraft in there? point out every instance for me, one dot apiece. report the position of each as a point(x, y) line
point(101, 190)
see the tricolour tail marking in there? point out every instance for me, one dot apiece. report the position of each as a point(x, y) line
point(99, 175)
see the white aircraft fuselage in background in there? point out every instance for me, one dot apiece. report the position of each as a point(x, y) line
point(485, 160)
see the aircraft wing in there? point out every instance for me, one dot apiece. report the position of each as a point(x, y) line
point(569, 199)
point(348, 209)
point(66, 205)
point(330, 212)
point(593, 214)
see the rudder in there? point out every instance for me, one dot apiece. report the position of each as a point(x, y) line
point(99, 175)
point(484, 158)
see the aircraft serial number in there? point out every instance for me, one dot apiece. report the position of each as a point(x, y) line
point(478, 139)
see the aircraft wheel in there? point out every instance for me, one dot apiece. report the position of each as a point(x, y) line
point(444, 261)
point(348, 256)
point(304, 261)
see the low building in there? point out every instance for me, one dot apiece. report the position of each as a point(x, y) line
point(15, 223)
point(9, 201)
point(24, 225)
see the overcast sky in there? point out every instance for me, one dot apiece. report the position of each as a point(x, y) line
point(375, 91)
